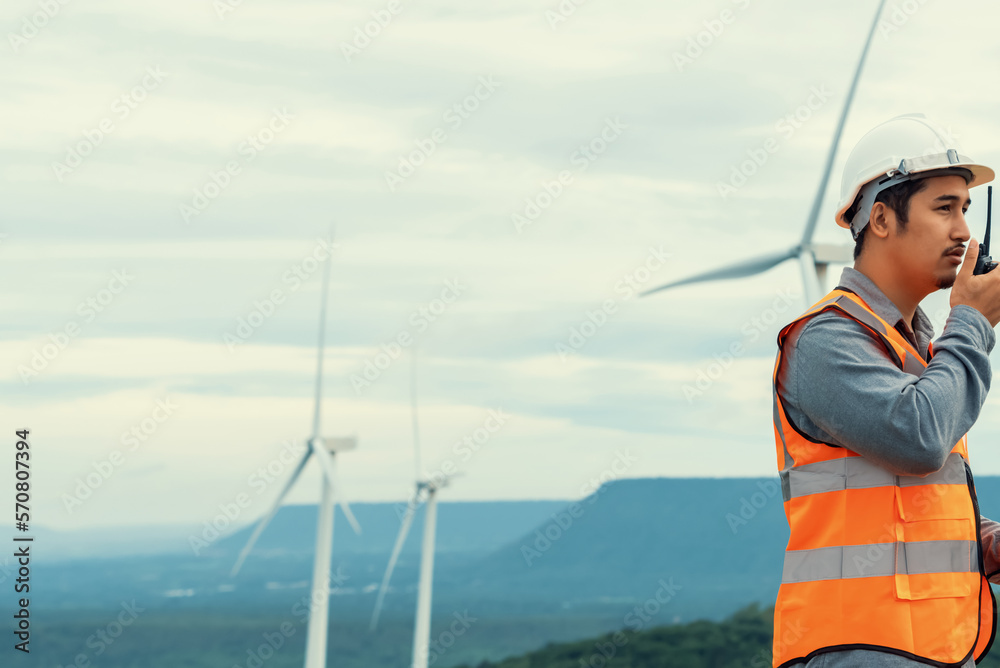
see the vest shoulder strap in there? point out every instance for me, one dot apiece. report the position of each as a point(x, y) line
point(854, 307)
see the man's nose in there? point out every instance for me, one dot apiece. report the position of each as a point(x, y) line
point(961, 230)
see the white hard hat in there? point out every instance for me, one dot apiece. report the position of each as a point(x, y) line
point(903, 148)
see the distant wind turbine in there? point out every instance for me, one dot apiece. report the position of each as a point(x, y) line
point(425, 492)
point(813, 258)
point(324, 450)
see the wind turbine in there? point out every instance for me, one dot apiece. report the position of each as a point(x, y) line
point(813, 258)
point(425, 492)
point(324, 450)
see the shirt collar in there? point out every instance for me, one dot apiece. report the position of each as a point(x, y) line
point(865, 288)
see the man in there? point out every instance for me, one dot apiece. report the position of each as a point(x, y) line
point(889, 559)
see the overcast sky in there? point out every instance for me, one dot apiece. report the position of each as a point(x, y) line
point(172, 168)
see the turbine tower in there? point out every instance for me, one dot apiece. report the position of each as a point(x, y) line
point(324, 449)
point(813, 258)
point(425, 492)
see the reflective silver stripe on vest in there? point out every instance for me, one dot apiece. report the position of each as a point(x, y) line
point(879, 560)
point(859, 473)
point(786, 493)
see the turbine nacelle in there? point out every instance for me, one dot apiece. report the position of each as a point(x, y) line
point(334, 444)
point(434, 483)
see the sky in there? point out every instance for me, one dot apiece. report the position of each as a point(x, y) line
point(492, 184)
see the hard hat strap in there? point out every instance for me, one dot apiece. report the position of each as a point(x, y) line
point(872, 189)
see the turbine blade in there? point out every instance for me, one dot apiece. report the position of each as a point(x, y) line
point(322, 341)
point(329, 470)
point(413, 409)
point(746, 268)
point(262, 524)
point(351, 519)
point(404, 529)
point(818, 200)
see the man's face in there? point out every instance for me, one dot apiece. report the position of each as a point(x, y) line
point(929, 250)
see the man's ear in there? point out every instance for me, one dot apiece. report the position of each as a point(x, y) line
point(881, 219)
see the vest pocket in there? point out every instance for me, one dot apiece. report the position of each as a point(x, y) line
point(936, 559)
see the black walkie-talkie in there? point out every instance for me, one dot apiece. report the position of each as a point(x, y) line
point(984, 263)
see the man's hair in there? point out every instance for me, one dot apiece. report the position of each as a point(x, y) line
point(896, 198)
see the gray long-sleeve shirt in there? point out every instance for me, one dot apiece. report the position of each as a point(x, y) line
point(839, 385)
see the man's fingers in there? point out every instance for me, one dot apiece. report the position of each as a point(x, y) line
point(971, 255)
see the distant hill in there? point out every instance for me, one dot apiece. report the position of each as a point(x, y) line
point(719, 541)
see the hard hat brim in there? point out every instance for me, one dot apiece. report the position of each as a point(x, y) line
point(981, 174)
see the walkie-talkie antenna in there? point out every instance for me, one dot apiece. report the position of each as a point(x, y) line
point(989, 215)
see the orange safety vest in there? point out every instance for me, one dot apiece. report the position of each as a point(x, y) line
point(877, 561)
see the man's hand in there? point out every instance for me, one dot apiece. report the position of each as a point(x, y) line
point(980, 292)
